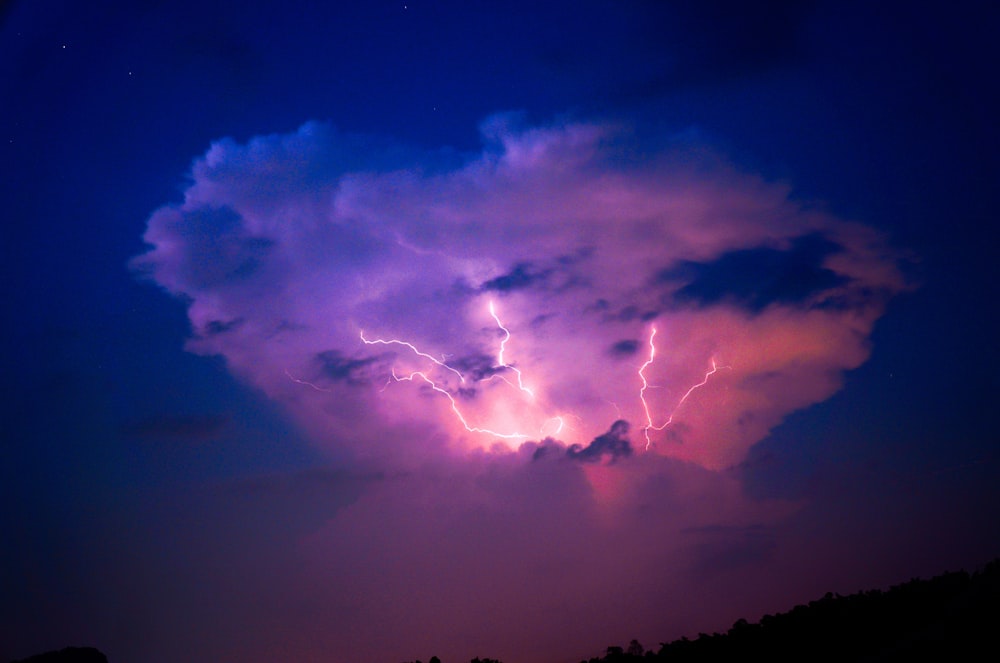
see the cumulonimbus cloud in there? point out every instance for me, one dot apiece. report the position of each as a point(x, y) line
point(538, 356)
point(401, 304)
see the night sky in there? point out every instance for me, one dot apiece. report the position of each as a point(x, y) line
point(377, 332)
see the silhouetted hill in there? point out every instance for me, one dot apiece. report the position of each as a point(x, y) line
point(67, 655)
point(951, 617)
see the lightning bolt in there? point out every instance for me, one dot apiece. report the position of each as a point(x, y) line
point(305, 382)
point(645, 385)
point(435, 386)
point(393, 341)
point(560, 425)
point(454, 406)
point(552, 425)
point(503, 346)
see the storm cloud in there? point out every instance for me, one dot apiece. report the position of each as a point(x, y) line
point(319, 249)
point(542, 359)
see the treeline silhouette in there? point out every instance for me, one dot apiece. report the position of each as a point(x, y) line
point(951, 617)
point(68, 655)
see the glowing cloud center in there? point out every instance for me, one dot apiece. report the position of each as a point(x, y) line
point(453, 394)
point(444, 384)
point(645, 386)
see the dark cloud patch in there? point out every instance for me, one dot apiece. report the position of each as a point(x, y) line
point(601, 305)
point(610, 446)
point(476, 367)
point(630, 313)
point(524, 275)
point(580, 255)
point(548, 448)
point(756, 278)
point(624, 348)
point(540, 319)
point(339, 368)
point(177, 426)
point(614, 445)
point(467, 393)
point(627, 313)
point(214, 327)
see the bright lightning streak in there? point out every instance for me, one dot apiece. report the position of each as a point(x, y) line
point(503, 346)
point(560, 425)
point(645, 385)
point(556, 422)
point(305, 382)
point(501, 364)
point(503, 343)
point(454, 406)
point(392, 341)
point(715, 368)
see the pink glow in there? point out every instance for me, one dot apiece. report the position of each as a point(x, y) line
point(645, 385)
point(552, 424)
point(516, 309)
point(598, 245)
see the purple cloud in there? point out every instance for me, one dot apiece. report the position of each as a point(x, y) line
point(537, 255)
point(545, 354)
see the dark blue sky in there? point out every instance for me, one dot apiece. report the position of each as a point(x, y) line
point(129, 465)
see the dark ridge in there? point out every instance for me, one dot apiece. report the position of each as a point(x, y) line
point(951, 617)
point(67, 655)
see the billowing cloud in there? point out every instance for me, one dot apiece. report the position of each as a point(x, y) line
point(402, 305)
point(531, 365)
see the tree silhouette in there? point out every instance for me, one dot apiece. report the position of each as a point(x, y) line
point(950, 617)
point(68, 655)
